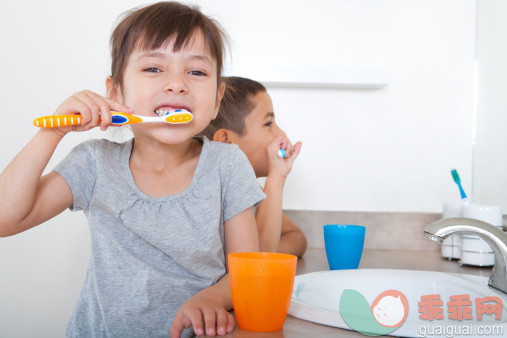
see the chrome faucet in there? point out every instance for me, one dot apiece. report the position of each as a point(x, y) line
point(495, 237)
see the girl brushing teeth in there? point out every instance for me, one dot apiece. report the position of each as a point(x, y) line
point(164, 208)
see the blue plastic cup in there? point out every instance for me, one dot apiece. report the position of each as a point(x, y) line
point(344, 245)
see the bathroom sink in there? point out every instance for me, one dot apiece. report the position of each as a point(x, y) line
point(316, 298)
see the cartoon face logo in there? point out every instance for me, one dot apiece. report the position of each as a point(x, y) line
point(386, 314)
point(390, 308)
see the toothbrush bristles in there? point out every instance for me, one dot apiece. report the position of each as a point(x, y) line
point(163, 112)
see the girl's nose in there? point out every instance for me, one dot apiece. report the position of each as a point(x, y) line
point(175, 85)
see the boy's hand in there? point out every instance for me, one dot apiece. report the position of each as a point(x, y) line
point(90, 105)
point(202, 308)
point(282, 166)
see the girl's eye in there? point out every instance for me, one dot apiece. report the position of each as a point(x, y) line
point(152, 70)
point(269, 124)
point(197, 73)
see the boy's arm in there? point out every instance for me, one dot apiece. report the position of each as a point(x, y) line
point(211, 304)
point(277, 233)
point(269, 215)
point(293, 240)
point(270, 219)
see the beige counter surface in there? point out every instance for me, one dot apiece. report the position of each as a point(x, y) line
point(315, 260)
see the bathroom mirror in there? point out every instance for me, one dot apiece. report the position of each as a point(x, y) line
point(490, 140)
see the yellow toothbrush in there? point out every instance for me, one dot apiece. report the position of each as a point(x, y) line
point(177, 116)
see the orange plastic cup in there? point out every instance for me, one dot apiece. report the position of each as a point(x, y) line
point(261, 287)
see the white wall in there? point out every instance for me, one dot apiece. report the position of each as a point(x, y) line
point(490, 161)
point(382, 150)
point(377, 150)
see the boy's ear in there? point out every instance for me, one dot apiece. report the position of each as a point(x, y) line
point(222, 135)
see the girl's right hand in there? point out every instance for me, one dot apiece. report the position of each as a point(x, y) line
point(90, 106)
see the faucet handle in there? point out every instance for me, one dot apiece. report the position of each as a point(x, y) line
point(496, 238)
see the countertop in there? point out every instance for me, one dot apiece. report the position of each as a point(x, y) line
point(315, 260)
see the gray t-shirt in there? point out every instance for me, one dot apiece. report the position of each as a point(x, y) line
point(149, 255)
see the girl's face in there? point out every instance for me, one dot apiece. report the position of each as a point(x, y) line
point(162, 79)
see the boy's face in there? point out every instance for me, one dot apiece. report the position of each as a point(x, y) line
point(162, 79)
point(260, 130)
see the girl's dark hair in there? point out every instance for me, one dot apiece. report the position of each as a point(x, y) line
point(148, 28)
point(235, 106)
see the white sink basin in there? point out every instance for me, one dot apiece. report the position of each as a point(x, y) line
point(316, 298)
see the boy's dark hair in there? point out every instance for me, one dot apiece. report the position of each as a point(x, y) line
point(150, 27)
point(235, 105)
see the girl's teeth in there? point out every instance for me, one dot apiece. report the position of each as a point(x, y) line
point(162, 112)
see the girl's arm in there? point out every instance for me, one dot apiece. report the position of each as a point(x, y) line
point(26, 198)
point(211, 304)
